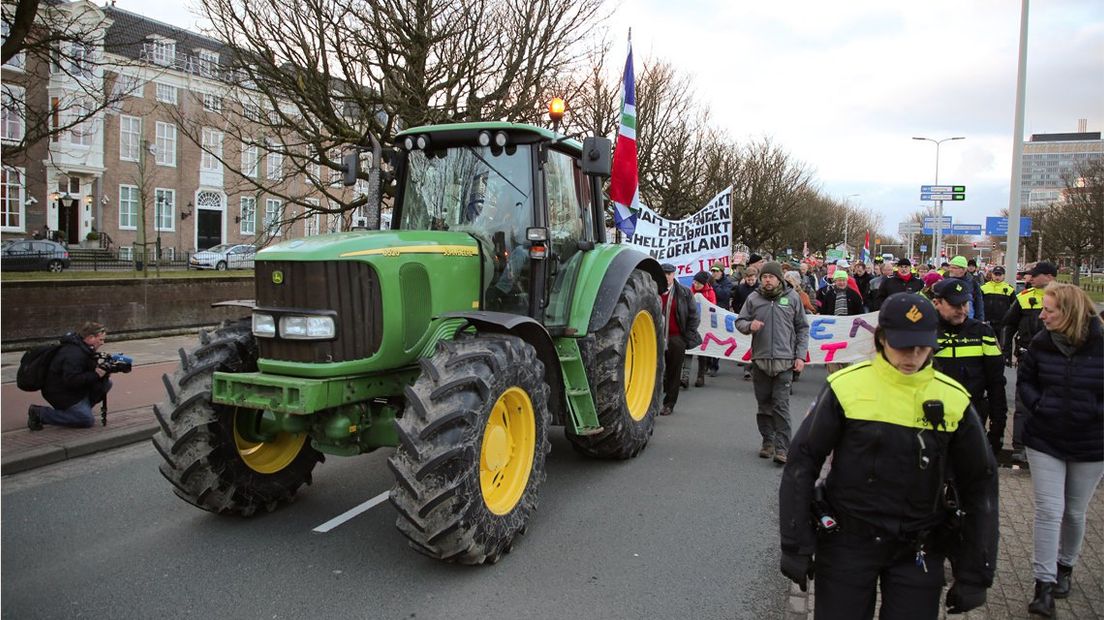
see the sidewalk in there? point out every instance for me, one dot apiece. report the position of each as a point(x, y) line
point(130, 407)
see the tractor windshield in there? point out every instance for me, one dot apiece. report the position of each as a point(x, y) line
point(482, 190)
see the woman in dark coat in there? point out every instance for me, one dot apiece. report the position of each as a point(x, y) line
point(1060, 384)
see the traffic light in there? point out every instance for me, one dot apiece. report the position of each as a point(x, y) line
point(975, 245)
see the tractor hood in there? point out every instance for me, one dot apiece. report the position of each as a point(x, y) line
point(359, 245)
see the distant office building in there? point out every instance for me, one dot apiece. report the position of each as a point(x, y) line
point(1048, 157)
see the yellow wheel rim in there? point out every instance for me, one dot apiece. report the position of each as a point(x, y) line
point(506, 455)
point(268, 457)
point(640, 365)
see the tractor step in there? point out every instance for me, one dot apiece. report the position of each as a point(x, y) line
point(584, 417)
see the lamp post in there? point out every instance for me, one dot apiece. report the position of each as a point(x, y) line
point(157, 229)
point(937, 238)
point(847, 218)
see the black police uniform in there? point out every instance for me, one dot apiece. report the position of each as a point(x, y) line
point(1021, 324)
point(892, 456)
point(998, 297)
point(969, 354)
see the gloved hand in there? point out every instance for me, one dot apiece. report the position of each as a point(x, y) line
point(798, 567)
point(962, 597)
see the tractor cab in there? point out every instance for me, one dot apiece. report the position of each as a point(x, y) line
point(520, 191)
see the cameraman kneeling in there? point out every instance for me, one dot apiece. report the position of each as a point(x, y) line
point(75, 382)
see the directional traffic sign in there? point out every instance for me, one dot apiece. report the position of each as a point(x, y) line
point(909, 228)
point(942, 196)
point(998, 226)
point(923, 248)
point(943, 189)
point(965, 229)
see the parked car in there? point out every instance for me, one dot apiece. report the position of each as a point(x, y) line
point(223, 257)
point(33, 255)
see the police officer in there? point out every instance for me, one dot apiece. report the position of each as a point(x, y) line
point(998, 296)
point(1021, 323)
point(968, 353)
point(898, 430)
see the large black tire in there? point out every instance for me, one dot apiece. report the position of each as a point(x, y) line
point(626, 427)
point(197, 439)
point(449, 505)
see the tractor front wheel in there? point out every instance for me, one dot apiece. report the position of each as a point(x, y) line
point(472, 446)
point(213, 454)
point(624, 366)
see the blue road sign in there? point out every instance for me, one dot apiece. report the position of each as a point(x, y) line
point(998, 226)
point(929, 225)
point(943, 189)
point(965, 229)
point(923, 248)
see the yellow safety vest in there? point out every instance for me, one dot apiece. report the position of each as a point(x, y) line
point(1027, 295)
point(993, 287)
point(875, 391)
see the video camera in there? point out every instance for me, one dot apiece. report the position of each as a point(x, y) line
point(114, 362)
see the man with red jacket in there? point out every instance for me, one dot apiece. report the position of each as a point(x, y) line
point(682, 319)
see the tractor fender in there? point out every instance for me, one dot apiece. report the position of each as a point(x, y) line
point(530, 331)
point(616, 275)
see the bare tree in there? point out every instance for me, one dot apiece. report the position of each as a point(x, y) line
point(1074, 226)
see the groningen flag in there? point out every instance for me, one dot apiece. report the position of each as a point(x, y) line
point(624, 190)
point(866, 249)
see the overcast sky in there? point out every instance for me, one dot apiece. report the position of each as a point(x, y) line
point(843, 86)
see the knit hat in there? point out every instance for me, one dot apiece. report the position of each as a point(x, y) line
point(717, 267)
point(931, 278)
point(772, 268)
point(839, 275)
point(904, 262)
point(959, 261)
point(754, 258)
point(702, 277)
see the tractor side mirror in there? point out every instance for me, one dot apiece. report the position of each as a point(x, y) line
point(597, 159)
point(350, 164)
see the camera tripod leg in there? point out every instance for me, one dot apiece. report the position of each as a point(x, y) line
point(103, 412)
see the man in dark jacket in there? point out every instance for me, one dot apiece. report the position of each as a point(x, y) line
point(862, 278)
point(74, 381)
point(968, 353)
point(682, 333)
point(901, 282)
point(740, 293)
point(958, 269)
point(838, 296)
point(722, 288)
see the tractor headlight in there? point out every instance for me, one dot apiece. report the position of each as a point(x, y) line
point(264, 326)
point(307, 327)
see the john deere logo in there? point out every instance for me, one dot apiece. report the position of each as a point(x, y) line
point(277, 277)
point(914, 314)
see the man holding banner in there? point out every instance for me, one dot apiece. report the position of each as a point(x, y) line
point(775, 318)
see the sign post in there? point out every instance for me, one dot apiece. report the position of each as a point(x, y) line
point(939, 193)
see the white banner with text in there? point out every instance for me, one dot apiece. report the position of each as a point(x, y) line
point(690, 244)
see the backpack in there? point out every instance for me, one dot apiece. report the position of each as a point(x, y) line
point(34, 366)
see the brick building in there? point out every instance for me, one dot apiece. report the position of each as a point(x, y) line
point(151, 153)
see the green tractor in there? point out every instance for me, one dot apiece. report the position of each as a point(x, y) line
point(492, 309)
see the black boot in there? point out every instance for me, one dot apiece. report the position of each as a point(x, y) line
point(1043, 605)
point(1062, 588)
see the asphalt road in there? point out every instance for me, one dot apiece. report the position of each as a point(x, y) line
point(688, 529)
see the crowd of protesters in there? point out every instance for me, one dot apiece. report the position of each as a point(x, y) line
point(979, 324)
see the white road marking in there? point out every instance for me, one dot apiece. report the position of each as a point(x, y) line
point(349, 514)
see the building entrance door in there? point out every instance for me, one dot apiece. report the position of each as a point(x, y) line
point(208, 228)
point(68, 224)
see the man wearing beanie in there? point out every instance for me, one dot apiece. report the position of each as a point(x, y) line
point(976, 304)
point(901, 282)
point(774, 317)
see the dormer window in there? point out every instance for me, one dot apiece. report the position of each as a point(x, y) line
point(208, 62)
point(162, 51)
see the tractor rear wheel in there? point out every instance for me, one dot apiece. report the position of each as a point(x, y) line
point(472, 446)
point(624, 365)
point(208, 456)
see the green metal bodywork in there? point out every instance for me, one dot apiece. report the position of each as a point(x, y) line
point(350, 406)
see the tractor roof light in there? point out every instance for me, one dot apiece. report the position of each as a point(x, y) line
point(408, 143)
point(556, 108)
point(423, 142)
point(500, 139)
point(484, 138)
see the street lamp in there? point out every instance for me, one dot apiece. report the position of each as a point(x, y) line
point(937, 238)
point(847, 218)
point(157, 226)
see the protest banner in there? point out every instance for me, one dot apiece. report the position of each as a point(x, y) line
point(690, 244)
point(832, 339)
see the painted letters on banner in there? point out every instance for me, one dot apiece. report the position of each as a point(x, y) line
point(690, 244)
point(832, 339)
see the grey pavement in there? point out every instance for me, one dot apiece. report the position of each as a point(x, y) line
point(21, 450)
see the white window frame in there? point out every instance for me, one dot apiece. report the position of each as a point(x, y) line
point(126, 252)
point(19, 61)
point(273, 218)
point(82, 58)
point(248, 215)
point(18, 185)
point(165, 93)
point(13, 122)
point(208, 62)
point(251, 112)
point(164, 51)
point(129, 86)
point(165, 154)
point(83, 133)
point(211, 159)
point(274, 165)
point(164, 212)
point(212, 103)
point(312, 224)
point(130, 202)
point(251, 160)
point(130, 138)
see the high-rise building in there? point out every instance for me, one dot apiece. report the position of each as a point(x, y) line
point(1048, 158)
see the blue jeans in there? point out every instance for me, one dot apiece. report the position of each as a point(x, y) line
point(78, 415)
